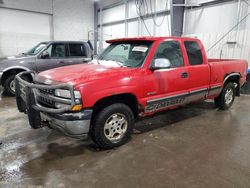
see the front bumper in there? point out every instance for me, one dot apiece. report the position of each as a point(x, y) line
point(73, 124)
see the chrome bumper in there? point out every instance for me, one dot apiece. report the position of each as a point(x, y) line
point(75, 125)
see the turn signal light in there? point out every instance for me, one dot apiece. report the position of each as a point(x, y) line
point(77, 107)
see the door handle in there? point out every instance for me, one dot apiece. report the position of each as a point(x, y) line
point(61, 62)
point(184, 75)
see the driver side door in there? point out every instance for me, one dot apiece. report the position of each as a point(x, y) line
point(55, 57)
point(168, 86)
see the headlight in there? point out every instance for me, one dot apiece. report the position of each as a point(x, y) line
point(66, 93)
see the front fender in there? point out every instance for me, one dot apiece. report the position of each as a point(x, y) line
point(16, 67)
point(12, 68)
point(91, 97)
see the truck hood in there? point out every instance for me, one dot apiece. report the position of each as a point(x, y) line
point(15, 58)
point(82, 73)
point(6, 62)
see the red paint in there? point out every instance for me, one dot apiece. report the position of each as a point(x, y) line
point(97, 81)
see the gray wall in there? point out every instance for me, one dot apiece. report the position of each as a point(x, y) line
point(44, 6)
point(73, 19)
point(24, 23)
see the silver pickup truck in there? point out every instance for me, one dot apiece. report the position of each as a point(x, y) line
point(44, 56)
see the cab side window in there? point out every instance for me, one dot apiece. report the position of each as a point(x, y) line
point(170, 50)
point(56, 50)
point(193, 52)
point(77, 50)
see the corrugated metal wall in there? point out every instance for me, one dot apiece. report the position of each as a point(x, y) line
point(134, 27)
point(73, 19)
point(211, 23)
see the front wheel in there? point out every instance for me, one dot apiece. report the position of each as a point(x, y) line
point(9, 85)
point(112, 126)
point(225, 100)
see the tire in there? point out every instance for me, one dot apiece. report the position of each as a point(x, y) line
point(21, 106)
point(112, 126)
point(225, 100)
point(8, 85)
point(33, 115)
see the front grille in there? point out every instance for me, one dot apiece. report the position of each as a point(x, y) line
point(46, 102)
point(47, 91)
point(43, 100)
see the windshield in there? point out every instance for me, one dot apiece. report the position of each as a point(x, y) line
point(129, 54)
point(35, 50)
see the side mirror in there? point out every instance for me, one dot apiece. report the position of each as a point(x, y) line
point(45, 55)
point(161, 63)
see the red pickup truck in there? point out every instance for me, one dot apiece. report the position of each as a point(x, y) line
point(132, 77)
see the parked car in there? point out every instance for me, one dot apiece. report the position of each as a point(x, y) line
point(132, 77)
point(44, 56)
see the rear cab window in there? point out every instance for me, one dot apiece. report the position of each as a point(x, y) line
point(194, 53)
point(77, 50)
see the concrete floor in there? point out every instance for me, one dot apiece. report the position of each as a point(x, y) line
point(196, 146)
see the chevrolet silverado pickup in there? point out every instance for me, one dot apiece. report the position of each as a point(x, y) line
point(133, 77)
point(43, 56)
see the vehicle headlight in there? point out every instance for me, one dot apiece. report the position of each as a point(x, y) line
point(66, 93)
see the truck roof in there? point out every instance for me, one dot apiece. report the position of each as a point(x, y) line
point(147, 39)
point(62, 41)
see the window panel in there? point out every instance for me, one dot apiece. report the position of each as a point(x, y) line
point(56, 50)
point(162, 30)
point(132, 12)
point(194, 53)
point(77, 50)
point(114, 14)
point(133, 29)
point(170, 50)
point(114, 31)
point(149, 25)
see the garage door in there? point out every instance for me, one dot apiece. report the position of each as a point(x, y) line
point(20, 30)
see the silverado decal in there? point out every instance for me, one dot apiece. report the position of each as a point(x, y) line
point(163, 103)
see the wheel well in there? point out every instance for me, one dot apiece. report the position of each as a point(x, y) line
point(12, 72)
point(128, 99)
point(234, 79)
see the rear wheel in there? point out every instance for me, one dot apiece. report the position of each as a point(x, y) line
point(9, 85)
point(112, 126)
point(225, 100)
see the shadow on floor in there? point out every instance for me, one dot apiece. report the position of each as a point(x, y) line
point(167, 118)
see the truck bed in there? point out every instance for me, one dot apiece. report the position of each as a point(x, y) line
point(219, 67)
point(222, 60)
